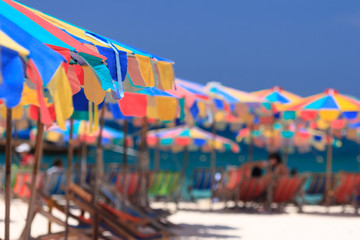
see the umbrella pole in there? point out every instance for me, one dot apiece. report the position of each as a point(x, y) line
point(124, 170)
point(83, 163)
point(329, 167)
point(36, 168)
point(250, 146)
point(157, 150)
point(358, 140)
point(8, 172)
point(185, 163)
point(95, 224)
point(68, 176)
point(143, 162)
point(213, 151)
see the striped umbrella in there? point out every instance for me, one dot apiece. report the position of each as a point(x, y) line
point(83, 133)
point(328, 106)
point(277, 96)
point(190, 137)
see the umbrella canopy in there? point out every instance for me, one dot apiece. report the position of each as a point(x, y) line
point(163, 70)
point(149, 102)
point(198, 104)
point(82, 132)
point(179, 137)
point(328, 105)
point(277, 96)
point(235, 101)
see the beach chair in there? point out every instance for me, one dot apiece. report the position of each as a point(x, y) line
point(252, 189)
point(286, 189)
point(229, 185)
point(54, 183)
point(22, 180)
point(164, 184)
point(202, 179)
point(128, 183)
point(346, 190)
point(113, 219)
point(314, 189)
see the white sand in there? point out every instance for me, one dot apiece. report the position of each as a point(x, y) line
point(196, 221)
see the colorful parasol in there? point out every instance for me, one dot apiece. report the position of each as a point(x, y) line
point(83, 133)
point(193, 137)
point(277, 96)
point(329, 106)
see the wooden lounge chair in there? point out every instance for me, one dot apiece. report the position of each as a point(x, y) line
point(202, 179)
point(286, 189)
point(114, 220)
point(164, 184)
point(314, 189)
point(21, 189)
point(346, 190)
point(252, 189)
point(230, 183)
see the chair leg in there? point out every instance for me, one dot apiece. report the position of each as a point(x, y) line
point(50, 205)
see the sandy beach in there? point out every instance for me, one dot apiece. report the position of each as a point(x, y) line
point(197, 221)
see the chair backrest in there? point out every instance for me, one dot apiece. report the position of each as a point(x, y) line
point(235, 175)
point(286, 188)
point(347, 188)
point(202, 179)
point(55, 183)
point(129, 182)
point(163, 183)
point(22, 180)
point(252, 188)
point(318, 183)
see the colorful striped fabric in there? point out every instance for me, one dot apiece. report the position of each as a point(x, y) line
point(129, 182)
point(277, 96)
point(348, 188)
point(23, 179)
point(83, 133)
point(163, 183)
point(317, 184)
point(329, 105)
point(184, 136)
point(202, 179)
point(251, 189)
point(286, 189)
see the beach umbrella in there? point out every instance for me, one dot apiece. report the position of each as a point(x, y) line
point(198, 104)
point(187, 138)
point(244, 105)
point(329, 106)
point(20, 51)
point(279, 98)
point(82, 133)
point(142, 69)
point(94, 74)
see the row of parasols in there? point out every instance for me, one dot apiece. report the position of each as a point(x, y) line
point(53, 71)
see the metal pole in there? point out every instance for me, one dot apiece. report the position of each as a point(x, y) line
point(8, 172)
point(68, 177)
point(36, 168)
point(95, 224)
point(329, 167)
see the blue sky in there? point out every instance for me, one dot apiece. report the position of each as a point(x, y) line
point(301, 45)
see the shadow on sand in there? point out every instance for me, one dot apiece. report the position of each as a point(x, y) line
point(186, 231)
